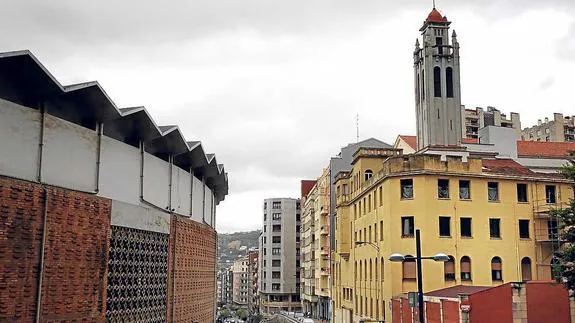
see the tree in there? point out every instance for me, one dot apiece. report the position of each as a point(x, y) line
point(225, 313)
point(242, 314)
point(564, 264)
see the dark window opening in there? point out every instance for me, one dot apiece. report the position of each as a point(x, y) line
point(550, 196)
point(439, 44)
point(496, 269)
point(449, 81)
point(443, 188)
point(521, 192)
point(464, 190)
point(524, 229)
point(406, 188)
point(407, 226)
point(277, 228)
point(437, 82)
point(449, 269)
point(465, 268)
point(466, 227)
point(493, 191)
point(526, 269)
point(494, 228)
point(444, 226)
point(422, 85)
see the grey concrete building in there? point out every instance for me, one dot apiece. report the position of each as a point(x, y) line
point(279, 259)
point(475, 119)
point(560, 129)
point(437, 85)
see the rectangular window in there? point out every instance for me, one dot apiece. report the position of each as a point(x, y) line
point(265, 240)
point(375, 232)
point(443, 188)
point(464, 190)
point(277, 228)
point(276, 251)
point(494, 228)
point(265, 228)
point(407, 226)
point(276, 205)
point(522, 193)
point(550, 196)
point(406, 188)
point(524, 229)
point(444, 226)
point(493, 191)
point(380, 196)
point(465, 227)
point(276, 216)
point(276, 263)
point(275, 286)
point(380, 230)
point(369, 234)
point(276, 274)
point(265, 251)
point(276, 239)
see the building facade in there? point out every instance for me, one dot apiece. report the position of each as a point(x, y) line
point(316, 248)
point(560, 129)
point(104, 211)
point(253, 293)
point(490, 216)
point(475, 119)
point(279, 265)
point(241, 282)
point(226, 277)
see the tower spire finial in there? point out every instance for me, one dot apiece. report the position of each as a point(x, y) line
point(433, 4)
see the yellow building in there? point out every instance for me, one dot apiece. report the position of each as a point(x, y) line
point(315, 292)
point(490, 216)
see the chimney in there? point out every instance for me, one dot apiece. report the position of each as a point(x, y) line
point(546, 119)
point(539, 122)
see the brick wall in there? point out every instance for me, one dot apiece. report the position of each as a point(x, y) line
point(75, 257)
point(195, 260)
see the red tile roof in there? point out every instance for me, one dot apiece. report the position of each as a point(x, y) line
point(453, 292)
point(505, 166)
point(544, 148)
point(306, 186)
point(435, 16)
point(411, 141)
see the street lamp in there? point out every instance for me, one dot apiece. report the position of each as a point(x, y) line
point(396, 257)
point(359, 243)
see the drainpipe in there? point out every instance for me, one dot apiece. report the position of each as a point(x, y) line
point(99, 131)
point(41, 141)
point(191, 190)
point(170, 181)
point(204, 200)
point(42, 247)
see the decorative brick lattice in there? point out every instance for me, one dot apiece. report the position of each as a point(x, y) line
point(137, 274)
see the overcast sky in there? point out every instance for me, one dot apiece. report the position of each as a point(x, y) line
point(272, 87)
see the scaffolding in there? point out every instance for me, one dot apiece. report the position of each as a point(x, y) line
point(547, 228)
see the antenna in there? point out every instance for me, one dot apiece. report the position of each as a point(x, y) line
point(357, 127)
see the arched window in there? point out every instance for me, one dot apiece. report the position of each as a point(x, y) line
point(409, 271)
point(367, 174)
point(449, 269)
point(526, 269)
point(465, 268)
point(356, 272)
point(365, 270)
point(381, 269)
point(423, 85)
point(496, 269)
point(360, 271)
point(376, 270)
point(370, 270)
point(417, 93)
point(437, 81)
point(449, 81)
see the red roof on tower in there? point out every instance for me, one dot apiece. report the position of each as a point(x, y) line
point(435, 16)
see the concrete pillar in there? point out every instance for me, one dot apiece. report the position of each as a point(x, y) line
point(463, 315)
point(519, 302)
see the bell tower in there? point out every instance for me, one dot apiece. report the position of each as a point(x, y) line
point(437, 87)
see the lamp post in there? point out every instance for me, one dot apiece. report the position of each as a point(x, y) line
point(359, 243)
point(396, 257)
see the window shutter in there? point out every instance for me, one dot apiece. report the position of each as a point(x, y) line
point(465, 266)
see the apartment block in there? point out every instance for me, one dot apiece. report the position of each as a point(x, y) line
point(279, 265)
point(475, 119)
point(560, 129)
point(241, 282)
point(316, 247)
point(253, 270)
point(460, 208)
